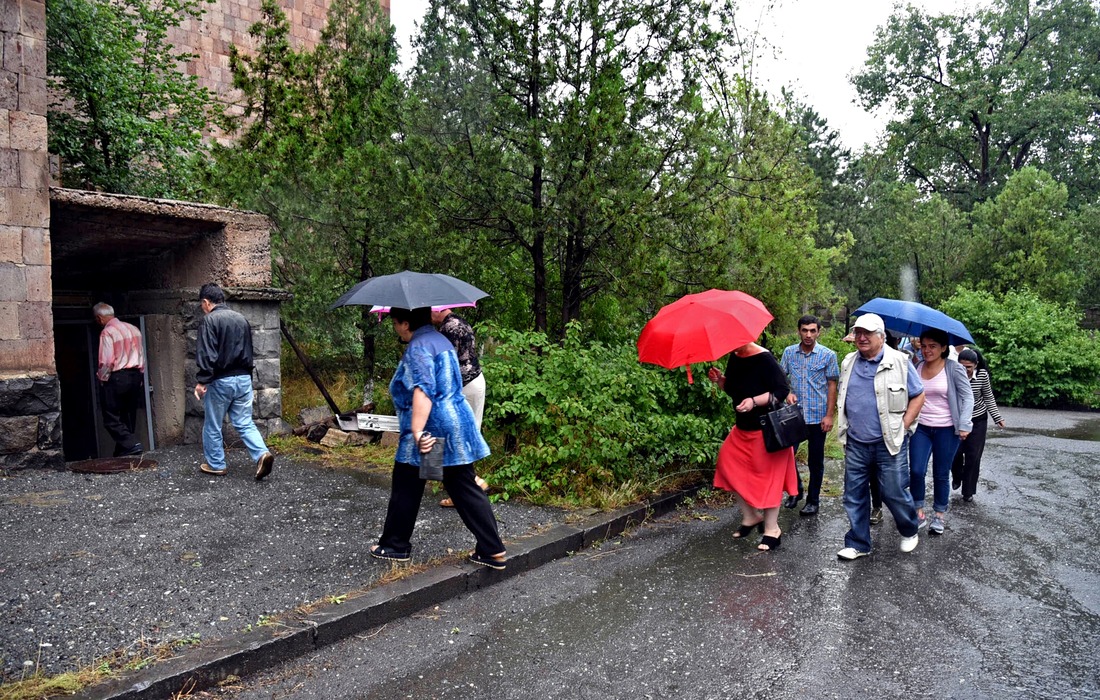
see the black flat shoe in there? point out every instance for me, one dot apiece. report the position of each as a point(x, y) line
point(769, 543)
point(746, 530)
point(808, 509)
point(792, 501)
point(389, 554)
point(498, 563)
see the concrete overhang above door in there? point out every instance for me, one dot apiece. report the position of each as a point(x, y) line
point(103, 240)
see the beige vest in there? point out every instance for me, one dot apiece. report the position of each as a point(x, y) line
point(891, 396)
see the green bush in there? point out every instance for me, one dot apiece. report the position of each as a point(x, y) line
point(1037, 352)
point(582, 420)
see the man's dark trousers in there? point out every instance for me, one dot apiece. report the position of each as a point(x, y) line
point(815, 460)
point(122, 397)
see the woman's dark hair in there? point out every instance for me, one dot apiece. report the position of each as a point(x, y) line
point(968, 355)
point(212, 293)
point(414, 317)
point(937, 336)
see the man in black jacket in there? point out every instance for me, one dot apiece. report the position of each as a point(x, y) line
point(223, 353)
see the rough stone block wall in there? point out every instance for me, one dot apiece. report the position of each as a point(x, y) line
point(30, 423)
point(225, 24)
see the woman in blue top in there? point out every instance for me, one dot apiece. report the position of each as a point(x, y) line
point(427, 395)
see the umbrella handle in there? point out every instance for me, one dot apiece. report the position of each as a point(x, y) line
point(690, 380)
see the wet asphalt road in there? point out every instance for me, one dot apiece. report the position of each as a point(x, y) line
point(1005, 604)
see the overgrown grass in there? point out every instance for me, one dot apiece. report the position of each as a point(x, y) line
point(299, 391)
point(375, 458)
point(139, 655)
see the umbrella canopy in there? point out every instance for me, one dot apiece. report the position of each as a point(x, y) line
point(411, 290)
point(912, 318)
point(376, 309)
point(701, 328)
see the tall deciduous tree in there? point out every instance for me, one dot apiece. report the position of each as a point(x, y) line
point(907, 243)
point(761, 233)
point(563, 128)
point(981, 95)
point(124, 118)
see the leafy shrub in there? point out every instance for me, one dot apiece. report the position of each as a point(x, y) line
point(1037, 352)
point(581, 419)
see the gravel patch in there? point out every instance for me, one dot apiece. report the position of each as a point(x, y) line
point(91, 564)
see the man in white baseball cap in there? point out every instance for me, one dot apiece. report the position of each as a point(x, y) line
point(879, 397)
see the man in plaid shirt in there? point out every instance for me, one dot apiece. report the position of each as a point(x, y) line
point(812, 372)
point(121, 373)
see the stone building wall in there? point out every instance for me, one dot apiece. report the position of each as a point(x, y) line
point(225, 24)
point(29, 396)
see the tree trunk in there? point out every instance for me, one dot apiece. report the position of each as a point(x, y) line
point(572, 278)
point(538, 244)
point(366, 271)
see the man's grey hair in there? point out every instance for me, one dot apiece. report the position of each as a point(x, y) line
point(103, 310)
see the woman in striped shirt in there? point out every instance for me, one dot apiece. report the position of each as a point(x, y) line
point(968, 460)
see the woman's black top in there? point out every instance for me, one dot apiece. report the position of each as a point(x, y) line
point(752, 376)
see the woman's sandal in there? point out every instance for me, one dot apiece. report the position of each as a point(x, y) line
point(746, 530)
point(769, 543)
point(482, 484)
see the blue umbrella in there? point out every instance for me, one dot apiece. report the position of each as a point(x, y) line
point(912, 318)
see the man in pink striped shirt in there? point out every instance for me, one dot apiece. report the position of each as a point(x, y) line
point(120, 372)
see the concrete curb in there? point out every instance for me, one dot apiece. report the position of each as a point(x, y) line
point(249, 652)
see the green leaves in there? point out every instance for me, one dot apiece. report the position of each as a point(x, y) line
point(983, 94)
point(1038, 355)
point(556, 135)
point(125, 119)
point(319, 151)
point(1025, 239)
point(585, 418)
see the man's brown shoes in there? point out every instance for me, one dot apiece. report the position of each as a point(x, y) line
point(263, 465)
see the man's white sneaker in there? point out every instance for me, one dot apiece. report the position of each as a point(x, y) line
point(850, 553)
point(908, 544)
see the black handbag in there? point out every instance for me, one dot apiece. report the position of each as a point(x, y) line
point(783, 426)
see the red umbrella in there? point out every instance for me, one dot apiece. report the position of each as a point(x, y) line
point(701, 328)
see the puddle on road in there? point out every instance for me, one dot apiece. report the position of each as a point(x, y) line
point(1088, 430)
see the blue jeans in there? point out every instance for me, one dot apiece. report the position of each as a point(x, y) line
point(861, 460)
point(941, 444)
point(232, 395)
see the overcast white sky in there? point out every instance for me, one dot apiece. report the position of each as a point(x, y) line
point(821, 42)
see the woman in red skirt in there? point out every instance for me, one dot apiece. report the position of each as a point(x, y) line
point(757, 477)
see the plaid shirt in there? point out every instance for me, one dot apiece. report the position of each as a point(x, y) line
point(119, 348)
point(809, 375)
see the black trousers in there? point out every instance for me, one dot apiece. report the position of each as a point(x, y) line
point(815, 462)
point(968, 460)
point(470, 501)
point(122, 397)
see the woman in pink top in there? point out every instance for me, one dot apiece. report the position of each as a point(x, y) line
point(944, 421)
